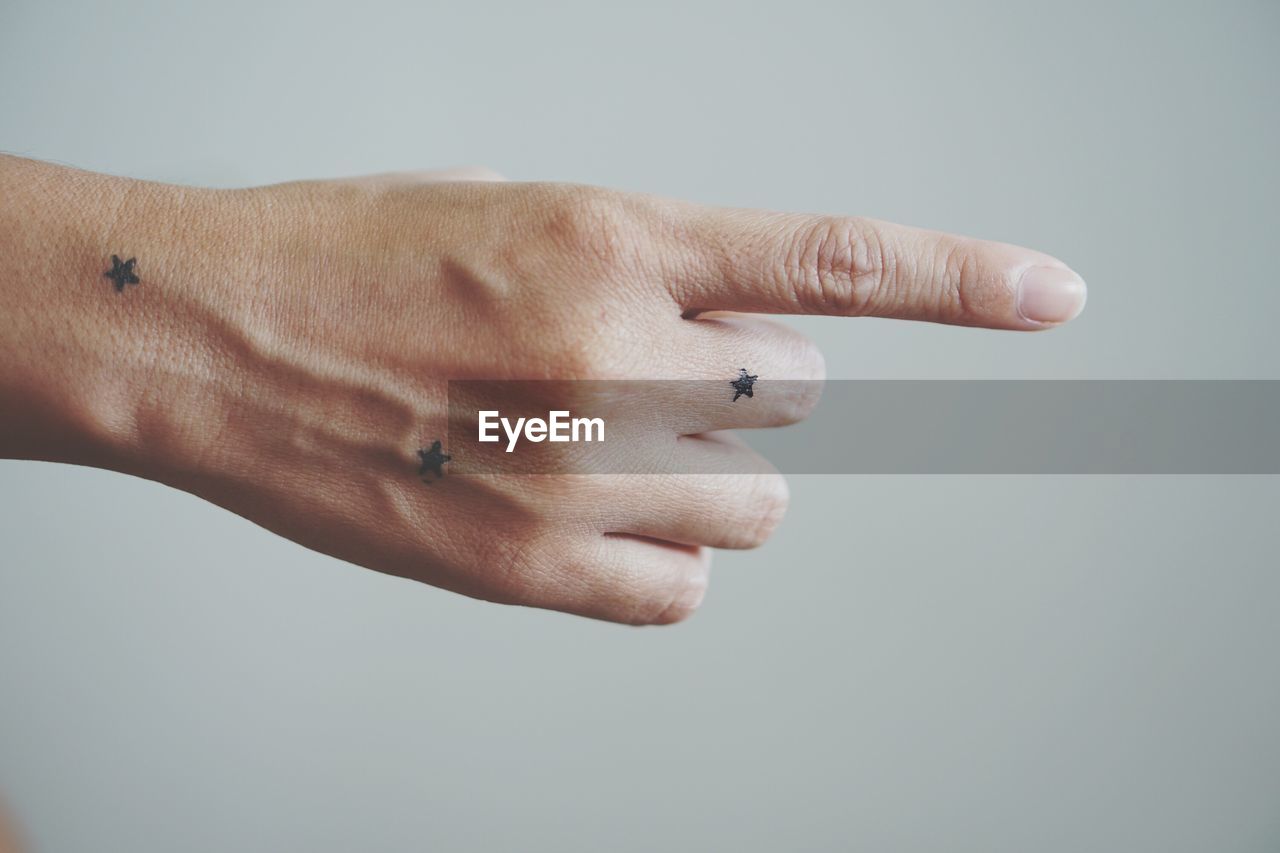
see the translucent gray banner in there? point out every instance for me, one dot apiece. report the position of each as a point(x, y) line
point(879, 427)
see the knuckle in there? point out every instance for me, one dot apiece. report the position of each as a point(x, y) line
point(800, 356)
point(673, 601)
point(957, 288)
point(815, 361)
point(795, 401)
point(588, 351)
point(838, 264)
point(679, 602)
point(594, 224)
point(795, 394)
point(574, 356)
point(766, 504)
point(572, 345)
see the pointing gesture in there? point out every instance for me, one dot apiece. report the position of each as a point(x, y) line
point(285, 352)
point(847, 266)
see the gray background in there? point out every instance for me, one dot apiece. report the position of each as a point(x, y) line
point(913, 663)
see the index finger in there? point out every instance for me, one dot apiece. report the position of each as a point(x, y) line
point(777, 263)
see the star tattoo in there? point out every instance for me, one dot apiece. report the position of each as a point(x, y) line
point(121, 272)
point(742, 385)
point(432, 460)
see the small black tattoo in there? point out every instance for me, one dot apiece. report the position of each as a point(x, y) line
point(742, 385)
point(121, 272)
point(432, 461)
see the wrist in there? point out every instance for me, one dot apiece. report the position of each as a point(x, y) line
point(83, 354)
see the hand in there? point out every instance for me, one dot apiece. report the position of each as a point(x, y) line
point(287, 348)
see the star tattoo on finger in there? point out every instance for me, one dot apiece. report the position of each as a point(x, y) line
point(121, 272)
point(742, 386)
point(433, 460)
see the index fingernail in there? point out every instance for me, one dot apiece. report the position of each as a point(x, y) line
point(1050, 295)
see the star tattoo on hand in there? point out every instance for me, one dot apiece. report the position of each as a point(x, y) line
point(742, 385)
point(432, 460)
point(121, 272)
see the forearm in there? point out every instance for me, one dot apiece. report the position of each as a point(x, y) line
point(54, 393)
point(84, 357)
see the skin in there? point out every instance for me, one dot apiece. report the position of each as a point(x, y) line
point(286, 350)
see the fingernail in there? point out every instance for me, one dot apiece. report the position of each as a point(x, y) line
point(1050, 295)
